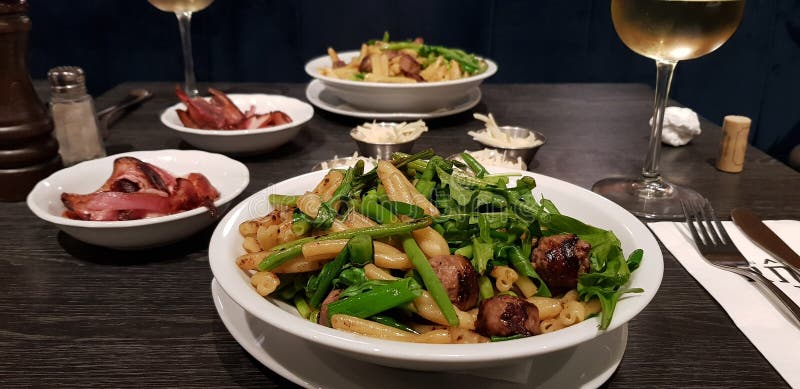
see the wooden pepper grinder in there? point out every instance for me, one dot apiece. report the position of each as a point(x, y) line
point(734, 143)
point(28, 151)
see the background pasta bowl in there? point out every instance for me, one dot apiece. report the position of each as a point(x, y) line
point(251, 141)
point(228, 176)
point(387, 97)
point(226, 246)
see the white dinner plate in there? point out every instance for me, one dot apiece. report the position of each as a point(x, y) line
point(587, 365)
point(318, 94)
point(226, 246)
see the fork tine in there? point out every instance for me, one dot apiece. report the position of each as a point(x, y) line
point(712, 232)
point(699, 216)
point(689, 222)
point(722, 233)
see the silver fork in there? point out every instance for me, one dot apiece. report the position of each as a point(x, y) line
point(717, 248)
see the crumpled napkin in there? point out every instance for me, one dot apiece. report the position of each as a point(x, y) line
point(749, 308)
point(681, 125)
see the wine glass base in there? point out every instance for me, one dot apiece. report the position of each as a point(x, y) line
point(654, 199)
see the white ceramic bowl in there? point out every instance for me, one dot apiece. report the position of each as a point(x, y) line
point(226, 245)
point(245, 141)
point(228, 176)
point(388, 97)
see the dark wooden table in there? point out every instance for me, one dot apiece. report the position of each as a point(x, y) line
point(77, 315)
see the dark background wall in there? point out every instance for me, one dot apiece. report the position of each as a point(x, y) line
point(757, 73)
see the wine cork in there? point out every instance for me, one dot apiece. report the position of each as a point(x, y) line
point(734, 143)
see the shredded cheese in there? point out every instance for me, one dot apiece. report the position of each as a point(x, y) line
point(493, 136)
point(492, 157)
point(389, 133)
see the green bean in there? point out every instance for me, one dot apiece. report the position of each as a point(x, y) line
point(377, 300)
point(474, 165)
point(300, 223)
point(286, 200)
point(302, 306)
point(371, 208)
point(361, 249)
point(391, 322)
point(434, 285)
point(485, 288)
point(326, 276)
point(282, 253)
point(399, 207)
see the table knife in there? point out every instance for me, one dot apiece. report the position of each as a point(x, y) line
point(758, 232)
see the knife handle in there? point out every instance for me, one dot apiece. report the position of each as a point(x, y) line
point(786, 303)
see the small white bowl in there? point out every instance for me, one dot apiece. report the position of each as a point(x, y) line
point(228, 176)
point(389, 97)
point(241, 142)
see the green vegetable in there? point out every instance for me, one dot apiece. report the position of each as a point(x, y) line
point(282, 253)
point(321, 284)
point(361, 250)
point(474, 165)
point(300, 223)
point(523, 266)
point(401, 208)
point(485, 288)
point(391, 322)
point(504, 338)
point(285, 200)
point(377, 300)
point(302, 306)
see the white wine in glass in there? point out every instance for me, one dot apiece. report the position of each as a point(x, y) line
point(183, 11)
point(667, 31)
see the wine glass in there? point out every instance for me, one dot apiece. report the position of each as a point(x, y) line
point(666, 31)
point(183, 11)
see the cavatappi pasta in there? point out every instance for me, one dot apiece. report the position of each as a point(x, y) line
point(404, 62)
point(377, 253)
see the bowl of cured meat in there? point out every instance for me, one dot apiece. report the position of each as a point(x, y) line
point(237, 123)
point(139, 199)
point(401, 76)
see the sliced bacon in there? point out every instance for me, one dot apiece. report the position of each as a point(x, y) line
point(137, 190)
point(230, 111)
point(220, 113)
point(106, 205)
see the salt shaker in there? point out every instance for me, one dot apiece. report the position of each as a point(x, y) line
point(74, 116)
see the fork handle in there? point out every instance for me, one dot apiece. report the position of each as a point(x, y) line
point(789, 306)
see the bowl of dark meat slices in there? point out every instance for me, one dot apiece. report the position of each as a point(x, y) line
point(236, 123)
point(376, 301)
point(139, 199)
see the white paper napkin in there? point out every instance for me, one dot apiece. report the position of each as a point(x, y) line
point(751, 310)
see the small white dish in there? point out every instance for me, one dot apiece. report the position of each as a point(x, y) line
point(587, 365)
point(228, 176)
point(393, 97)
point(226, 246)
point(319, 95)
point(242, 142)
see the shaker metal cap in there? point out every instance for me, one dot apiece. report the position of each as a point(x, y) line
point(67, 79)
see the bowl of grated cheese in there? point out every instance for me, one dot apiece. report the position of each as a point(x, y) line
point(381, 139)
point(511, 141)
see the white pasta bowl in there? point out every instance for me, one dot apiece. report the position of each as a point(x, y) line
point(242, 142)
point(228, 176)
point(226, 246)
point(422, 97)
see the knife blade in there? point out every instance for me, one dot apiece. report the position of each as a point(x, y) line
point(752, 226)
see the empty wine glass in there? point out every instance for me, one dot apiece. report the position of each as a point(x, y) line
point(667, 31)
point(183, 10)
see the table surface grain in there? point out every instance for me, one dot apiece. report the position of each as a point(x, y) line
point(78, 315)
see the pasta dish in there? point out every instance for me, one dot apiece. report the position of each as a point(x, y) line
point(423, 249)
point(404, 62)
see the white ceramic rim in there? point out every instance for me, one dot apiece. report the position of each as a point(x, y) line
point(308, 111)
point(313, 66)
point(143, 155)
point(233, 281)
point(315, 89)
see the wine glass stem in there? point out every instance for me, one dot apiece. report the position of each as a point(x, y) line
point(185, 24)
point(665, 69)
